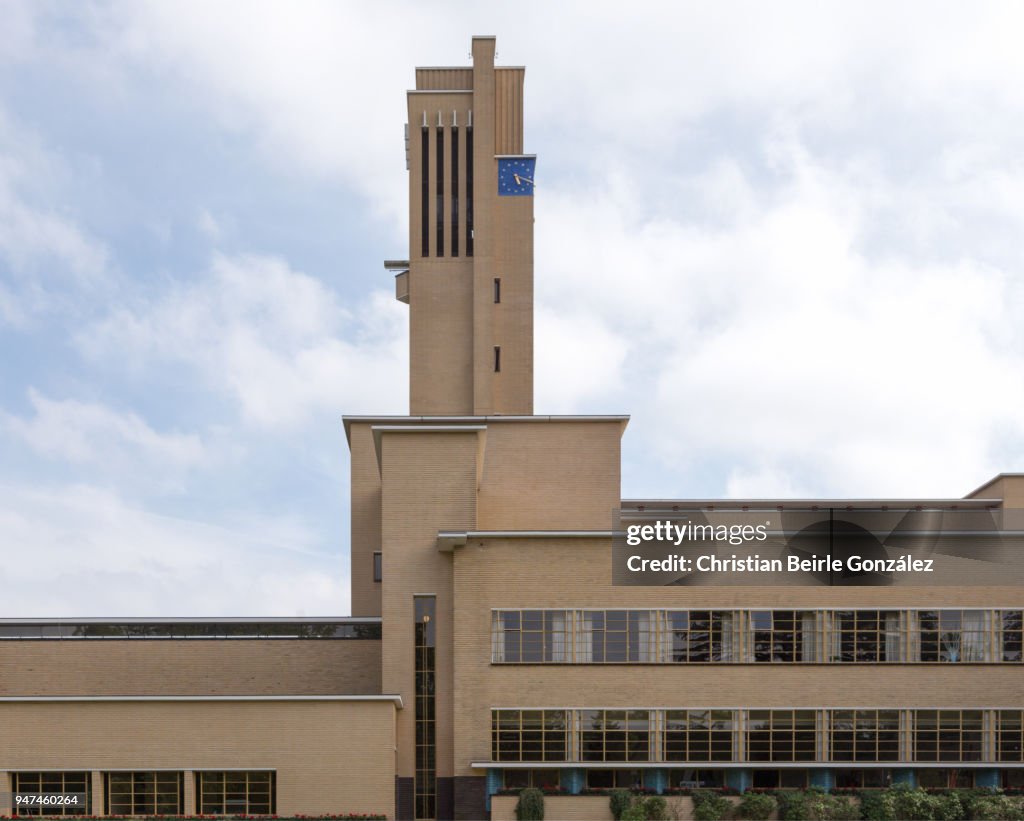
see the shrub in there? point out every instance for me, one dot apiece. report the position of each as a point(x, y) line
point(792, 805)
point(757, 806)
point(984, 808)
point(842, 808)
point(634, 812)
point(912, 804)
point(948, 807)
point(655, 808)
point(619, 801)
point(530, 806)
point(820, 806)
point(710, 806)
point(877, 805)
point(996, 808)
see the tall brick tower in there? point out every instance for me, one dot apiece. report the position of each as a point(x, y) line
point(470, 457)
point(469, 277)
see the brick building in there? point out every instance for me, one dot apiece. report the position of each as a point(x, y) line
point(489, 648)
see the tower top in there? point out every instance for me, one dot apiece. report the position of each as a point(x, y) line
point(468, 279)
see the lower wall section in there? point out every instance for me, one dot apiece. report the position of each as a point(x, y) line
point(405, 798)
point(470, 797)
point(564, 808)
point(328, 756)
point(583, 807)
point(445, 798)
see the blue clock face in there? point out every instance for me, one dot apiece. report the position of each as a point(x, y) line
point(515, 176)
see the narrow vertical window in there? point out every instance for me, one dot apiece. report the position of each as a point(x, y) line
point(439, 212)
point(378, 566)
point(497, 290)
point(469, 191)
point(424, 608)
point(497, 359)
point(455, 192)
point(425, 194)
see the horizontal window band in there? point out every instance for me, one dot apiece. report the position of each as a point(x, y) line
point(901, 765)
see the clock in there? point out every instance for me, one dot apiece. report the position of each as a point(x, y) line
point(515, 175)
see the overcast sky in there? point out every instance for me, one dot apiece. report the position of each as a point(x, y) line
point(785, 237)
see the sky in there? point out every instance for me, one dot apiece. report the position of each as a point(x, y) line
point(785, 238)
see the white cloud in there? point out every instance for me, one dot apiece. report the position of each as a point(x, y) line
point(275, 340)
point(784, 237)
point(579, 361)
point(780, 347)
point(91, 433)
point(83, 551)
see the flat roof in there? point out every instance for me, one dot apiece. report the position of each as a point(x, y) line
point(476, 420)
point(394, 698)
point(649, 505)
point(199, 620)
point(996, 478)
point(189, 629)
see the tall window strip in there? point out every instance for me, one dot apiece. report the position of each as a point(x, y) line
point(425, 193)
point(439, 194)
point(865, 735)
point(702, 738)
point(530, 735)
point(1010, 735)
point(1011, 635)
point(144, 793)
point(454, 230)
point(948, 735)
point(497, 290)
point(782, 735)
point(497, 359)
point(424, 608)
point(77, 787)
point(615, 735)
point(699, 735)
point(469, 191)
point(756, 636)
point(233, 792)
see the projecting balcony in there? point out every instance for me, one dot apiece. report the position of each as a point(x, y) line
point(400, 267)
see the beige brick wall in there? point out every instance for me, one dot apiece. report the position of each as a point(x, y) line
point(441, 334)
point(1008, 487)
point(559, 807)
point(429, 484)
point(454, 323)
point(550, 475)
point(330, 757)
point(365, 520)
point(190, 667)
